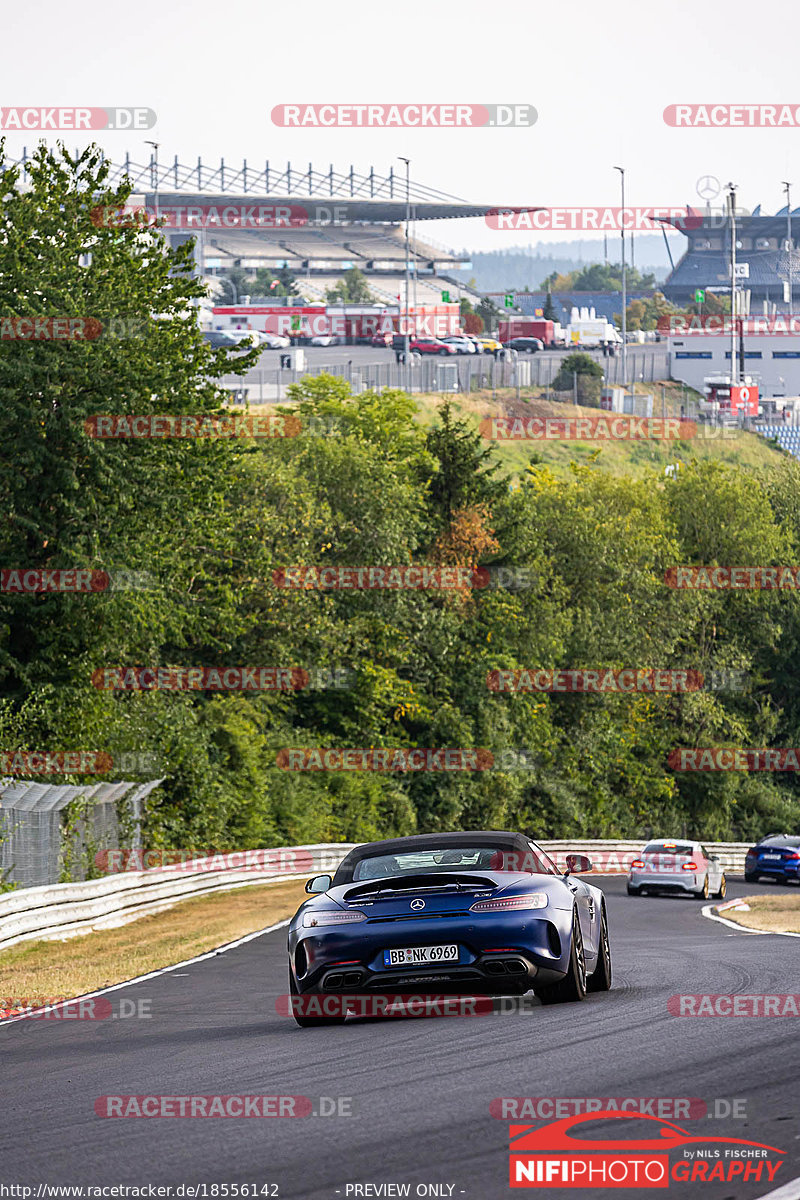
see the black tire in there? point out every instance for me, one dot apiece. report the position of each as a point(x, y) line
point(443, 352)
point(723, 887)
point(703, 893)
point(600, 978)
point(310, 1022)
point(750, 878)
point(573, 986)
point(633, 891)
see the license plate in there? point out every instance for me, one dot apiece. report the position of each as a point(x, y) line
point(410, 955)
point(771, 857)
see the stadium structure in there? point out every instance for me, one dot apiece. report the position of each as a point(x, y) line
point(765, 252)
point(318, 224)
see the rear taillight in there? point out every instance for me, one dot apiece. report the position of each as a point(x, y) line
point(326, 917)
point(751, 854)
point(638, 863)
point(689, 867)
point(793, 857)
point(511, 903)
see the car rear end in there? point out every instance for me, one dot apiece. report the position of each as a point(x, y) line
point(775, 858)
point(460, 933)
point(668, 867)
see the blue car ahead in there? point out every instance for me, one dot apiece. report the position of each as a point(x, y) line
point(476, 913)
point(776, 856)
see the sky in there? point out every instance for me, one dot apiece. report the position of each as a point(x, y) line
point(599, 76)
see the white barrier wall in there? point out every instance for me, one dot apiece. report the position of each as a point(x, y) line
point(65, 910)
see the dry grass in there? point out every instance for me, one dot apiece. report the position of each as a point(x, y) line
point(772, 914)
point(46, 970)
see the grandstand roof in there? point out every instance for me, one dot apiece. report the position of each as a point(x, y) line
point(349, 211)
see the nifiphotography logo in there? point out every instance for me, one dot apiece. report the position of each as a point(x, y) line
point(554, 1156)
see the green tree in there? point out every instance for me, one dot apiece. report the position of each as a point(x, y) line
point(489, 313)
point(549, 310)
point(352, 288)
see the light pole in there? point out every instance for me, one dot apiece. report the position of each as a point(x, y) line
point(407, 161)
point(624, 282)
point(734, 363)
point(155, 146)
point(786, 188)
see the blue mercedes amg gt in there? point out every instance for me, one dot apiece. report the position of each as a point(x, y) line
point(465, 913)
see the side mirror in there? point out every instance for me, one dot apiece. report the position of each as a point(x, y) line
point(577, 863)
point(320, 883)
point(713, 858)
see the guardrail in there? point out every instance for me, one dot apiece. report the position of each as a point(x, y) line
point(66, 910)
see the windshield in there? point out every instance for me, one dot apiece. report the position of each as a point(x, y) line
point(681, 848)
point(450, 858)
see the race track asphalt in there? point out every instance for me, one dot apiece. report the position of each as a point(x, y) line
point(420, 1089)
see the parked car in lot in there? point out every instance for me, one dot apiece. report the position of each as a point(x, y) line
point(488, 345)
point(275, 341)
point(776, 856)
point(680, 866)
point(526, 345)
point(382, 339)
point(218, 338)
point(430, 346)
point(246, 338)
point(481, 911)
point(322, 339)
point(463, 345)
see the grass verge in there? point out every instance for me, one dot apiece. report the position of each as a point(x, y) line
point(771, 914)
point(41, 971)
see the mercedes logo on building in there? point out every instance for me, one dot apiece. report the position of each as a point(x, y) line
point(417, 903)
point(708, 186)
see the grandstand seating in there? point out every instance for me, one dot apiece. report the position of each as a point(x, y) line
point(787, 436)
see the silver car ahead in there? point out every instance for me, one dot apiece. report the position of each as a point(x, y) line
point(679, 866)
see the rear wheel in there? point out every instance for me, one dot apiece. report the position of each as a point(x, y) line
point(703, 893)
point(600, 978)
point(573, 985)
point(306, 1022)
point(723, 887)
point(750, 877)
point(633, 891)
